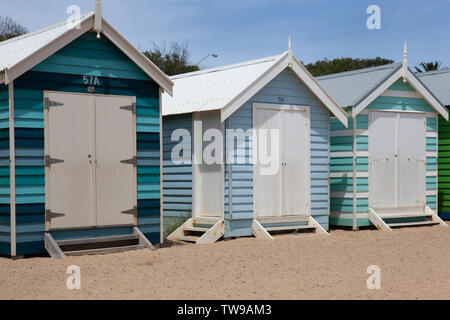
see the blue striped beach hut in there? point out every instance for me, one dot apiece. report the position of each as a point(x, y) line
point(80, 128)
point(271, 104)
point(383, 166)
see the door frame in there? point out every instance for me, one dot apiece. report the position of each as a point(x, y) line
point(46, 151)
point(195, 181)
point(281, 107)
point(370, 114)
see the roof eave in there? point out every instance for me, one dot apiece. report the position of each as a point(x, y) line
point(319, 91)
point(50, 48)
point(427, 94)
point(377, 90)
point(138, 57)
point(248, 92)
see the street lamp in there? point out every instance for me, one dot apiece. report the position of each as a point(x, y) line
point(206, 57)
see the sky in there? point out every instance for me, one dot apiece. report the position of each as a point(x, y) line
point(240, 30)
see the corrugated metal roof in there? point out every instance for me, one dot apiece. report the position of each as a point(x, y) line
point(438, 82)
point(15, 50)
point(214, 88)
point(348, 88)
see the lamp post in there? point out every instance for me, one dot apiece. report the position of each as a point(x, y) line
point(206, 57)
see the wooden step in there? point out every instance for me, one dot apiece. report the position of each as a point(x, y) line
point(408, 224)
point(72, 242)
point(285, 228)
point(196, 229)
point(105, 250)
point(403, 215)
point(188, 239)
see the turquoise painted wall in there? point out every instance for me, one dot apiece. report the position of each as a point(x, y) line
point(344, 164)
point(5, 222)
point(286, 88)
point(64, 71)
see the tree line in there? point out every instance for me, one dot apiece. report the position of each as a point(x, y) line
point(174, 59)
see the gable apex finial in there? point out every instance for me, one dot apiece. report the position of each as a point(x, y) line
point(98, 18)
point(405, 62)
point(290, 47)
point(405, 52)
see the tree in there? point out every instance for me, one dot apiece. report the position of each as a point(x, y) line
point(10, 28)
point(172, 61)
point(428, 66)
point(325, 66)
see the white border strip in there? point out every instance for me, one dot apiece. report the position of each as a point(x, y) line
point(12, 169)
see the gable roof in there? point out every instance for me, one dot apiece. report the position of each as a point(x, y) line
point(359, 88)
point(438, 82)
point(348, 88)
point(227, 88)
point(20, 54)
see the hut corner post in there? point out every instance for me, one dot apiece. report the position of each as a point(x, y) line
point(355, 194)
point(12, 169)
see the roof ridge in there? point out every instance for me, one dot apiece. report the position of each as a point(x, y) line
point(227, 67)
point(357, 71)
point(42, 30)
point(433, 72)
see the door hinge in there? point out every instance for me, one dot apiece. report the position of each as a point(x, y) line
point(49, 103)
point(49, 215)
point(133, 211)
point(132, 161)
point(48, 161)
point(131, 107)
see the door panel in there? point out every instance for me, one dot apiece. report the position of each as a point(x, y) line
point(397, 145)
point(295, 187)
point(269, 187)
point(382, 146)
point(115, 141)
point(411, 158)
point(70, 185)
point(209, 178)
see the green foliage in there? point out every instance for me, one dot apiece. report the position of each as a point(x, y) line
point(428, 66)
point(174, 224)
point(10, 28)
point(325, 66)
point(171, 61)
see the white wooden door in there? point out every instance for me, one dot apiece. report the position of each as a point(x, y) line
point(295, 163)
point(411, 160)
point(208, 177)
point(286, 192)
point(267, 187)
point(397, 146)
point(383, 162)
point(70, 185)
point(115, 142)
point(87, 138)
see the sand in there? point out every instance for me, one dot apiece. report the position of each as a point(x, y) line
point(414, 262)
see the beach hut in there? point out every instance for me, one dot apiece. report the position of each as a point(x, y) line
point(439, 83)
point(383, 167)
point(270, 106)
point(80, 164)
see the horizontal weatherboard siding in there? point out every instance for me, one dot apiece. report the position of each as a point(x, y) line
point(177, 177)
